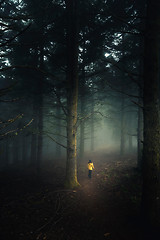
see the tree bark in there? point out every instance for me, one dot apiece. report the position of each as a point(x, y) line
point(92, 124)
point(24, 150)
point(40, 111)
point(82, 100)
point(59, 129)
point(151, 151)
point(72, 94)
point(82, 109)
point(33, 157)
point(130, 137)
point(140, 134)
point(82, 128)
point(7, 153)
point(122, 140)
point(16, 149)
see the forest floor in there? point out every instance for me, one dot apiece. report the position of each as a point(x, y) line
point(104, 207)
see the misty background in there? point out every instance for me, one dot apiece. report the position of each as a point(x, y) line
point(33, 80)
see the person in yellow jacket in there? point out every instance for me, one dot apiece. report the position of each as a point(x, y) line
point(90, 168)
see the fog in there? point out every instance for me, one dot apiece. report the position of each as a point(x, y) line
point(102, 133)
point(79, 119)
point(47, 60)
point(70, 91)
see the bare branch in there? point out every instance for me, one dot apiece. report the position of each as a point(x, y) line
point(138, 104)
point(39, 70)
point(16, 130)
point(9, 121)
point(54, 140)
point(60, 135)
point(59, 100)
point(124, 93)
point(115, 64)
point(89, 115)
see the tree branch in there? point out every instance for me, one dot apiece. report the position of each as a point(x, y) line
point(16, 130)
point(89, 115)
point(54, 140)
point(39, 70)
point(124, 93)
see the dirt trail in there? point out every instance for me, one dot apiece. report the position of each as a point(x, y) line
point(93, 202)
point(102, 199)
point(104, 208)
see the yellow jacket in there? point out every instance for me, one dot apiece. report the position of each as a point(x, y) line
point(90, 166)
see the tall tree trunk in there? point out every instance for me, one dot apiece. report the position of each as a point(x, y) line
point(82, 127)
point(58, 110)
point(33, 152)
point(1, 154)
point(72, 94)
point(40, 111)
point(40, 138)
point(24, 150)
point(122, 140)
point(140, 134)
point(140, 103)
point(33, 157)
point(92, 123)
point(82, 109)
point(15, 149)
point(130, 130)
point(151, 150)
point(7, 153)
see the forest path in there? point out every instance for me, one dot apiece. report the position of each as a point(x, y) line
point(108, 201)
point(105, 207)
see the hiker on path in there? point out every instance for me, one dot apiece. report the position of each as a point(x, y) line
point(90, 168)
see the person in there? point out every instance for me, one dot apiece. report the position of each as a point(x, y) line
point(90, 168)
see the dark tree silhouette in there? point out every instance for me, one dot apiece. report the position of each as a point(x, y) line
point(151, 151)
point(72, 93)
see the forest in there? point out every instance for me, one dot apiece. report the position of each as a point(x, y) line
point(79, 83)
